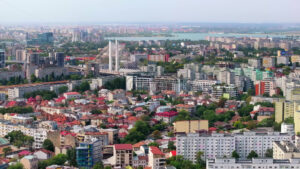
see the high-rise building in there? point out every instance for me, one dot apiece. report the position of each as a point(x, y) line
point(33, 58)
point(297, 117)
point(123, 154)
point(42, 39)
point(283, 110)
point(2, 58)
point(89, 153)
point(60, 59)
point(21, 55)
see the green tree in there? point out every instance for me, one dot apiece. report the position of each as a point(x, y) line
point(238, 125)
point(71, 155)
point(180, 163)
point(98, 165)
point(95, 111)
point(235, 154)
point(6, 151)
point(48, 145)
point(252, 154)
point(118, 83)
point(251, 125)
point(289, 120)
point(62, 89)
point(16, 166)
point(155, 144)
point(171, 145)
point(183, 115)
point(156, 134)
point(138, 133)
point(17, 138)
point(59, 159)
point(84, 86)
point(269, 153)
point(199, 159)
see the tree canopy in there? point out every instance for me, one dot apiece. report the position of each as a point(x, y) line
point(48, 145)
point(17, 138)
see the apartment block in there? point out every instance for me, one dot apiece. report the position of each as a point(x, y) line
point(231, 163)
point(285, 150)
point(218, 145)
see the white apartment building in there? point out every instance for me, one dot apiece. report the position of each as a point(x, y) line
point(214, 145)
point(202, 85)
point(186, 74)
point(218, 145)
point(255, 163)
point(39, 135)
point(157, 159)
point(226, 77)
point(287, 128)
point(285, 150)
point(258, 142)
point(18, 92)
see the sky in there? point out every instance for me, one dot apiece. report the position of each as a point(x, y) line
point(136, 11)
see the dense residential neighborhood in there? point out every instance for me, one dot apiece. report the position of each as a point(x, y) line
point(72, 98)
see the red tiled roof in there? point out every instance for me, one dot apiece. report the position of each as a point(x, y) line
point(139, 109)
point(24, 153)
point(72, 93)
point(157, 97)
point(123, 146)
point(156, 151)
point(45, 151)
point(266, 109)
point(60, 99)
point(167, 114)
point(65, 133)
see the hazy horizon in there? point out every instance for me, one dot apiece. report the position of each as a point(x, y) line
point(150, 11)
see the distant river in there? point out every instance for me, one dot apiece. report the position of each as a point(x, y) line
point(192, 36)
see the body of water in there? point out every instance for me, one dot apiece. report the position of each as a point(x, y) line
point(192, 36)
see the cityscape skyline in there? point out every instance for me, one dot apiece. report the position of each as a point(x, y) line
point(135, 11)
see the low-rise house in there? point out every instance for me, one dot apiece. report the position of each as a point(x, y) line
point(43, 154)
point(29, 162)
point(167, 117)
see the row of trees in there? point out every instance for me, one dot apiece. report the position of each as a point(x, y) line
point(253, 154)
point(45, 94)
point(16, 109)
point(180, 163)
point(52, 77)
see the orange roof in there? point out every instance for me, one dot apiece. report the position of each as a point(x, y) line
point(132, 118)
point(139, 144)
point(156, 151)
